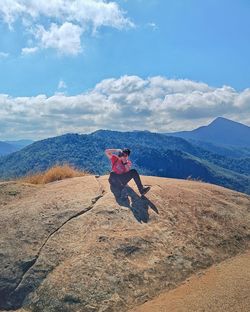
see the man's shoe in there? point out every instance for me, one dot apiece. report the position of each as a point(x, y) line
point(144, 190)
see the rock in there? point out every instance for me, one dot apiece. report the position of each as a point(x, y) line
point(70, 246)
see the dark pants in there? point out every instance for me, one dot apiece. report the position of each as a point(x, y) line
point(119, 181)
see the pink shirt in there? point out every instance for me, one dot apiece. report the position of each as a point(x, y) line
point(117, 165)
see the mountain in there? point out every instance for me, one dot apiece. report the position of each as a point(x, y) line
point(20, 143)
point(221, 131)
point(71, 246)
point(7, 147)
point(224, 150)
point(152, 154)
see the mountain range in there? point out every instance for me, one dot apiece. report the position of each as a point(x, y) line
point(152, 154)
point(7, 147)
point(221, 131)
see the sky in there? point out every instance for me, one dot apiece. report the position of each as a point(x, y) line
point(159, 65)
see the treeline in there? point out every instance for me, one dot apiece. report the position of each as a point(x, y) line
point(152, 154)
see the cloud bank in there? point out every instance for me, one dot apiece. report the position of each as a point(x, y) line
point(128, 103)
point(59, 24)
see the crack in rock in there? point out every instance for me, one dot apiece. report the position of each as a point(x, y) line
point(20, 297)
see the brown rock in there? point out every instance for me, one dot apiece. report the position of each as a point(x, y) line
point(70, 246)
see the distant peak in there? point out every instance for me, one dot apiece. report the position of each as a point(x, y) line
point(224, 123)
point(221, 119)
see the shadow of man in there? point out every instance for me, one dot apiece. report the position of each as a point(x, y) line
point(139, 205)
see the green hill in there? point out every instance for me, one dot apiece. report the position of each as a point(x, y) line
point(152, 154)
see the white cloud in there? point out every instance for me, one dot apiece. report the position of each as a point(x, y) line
point(152, 25)
point(126, 84)
point(29, 50)
point(64, 15)
point(243, 100)
point(97, 12)
point(65, 38)
point(10, 10)
point(4, 55)
point(61, 85)
point(197, 104)
point(130, 102)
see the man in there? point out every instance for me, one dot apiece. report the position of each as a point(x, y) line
point(121, 172)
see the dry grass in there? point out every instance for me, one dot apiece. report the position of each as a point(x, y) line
point(55, 173)
point(190, 178)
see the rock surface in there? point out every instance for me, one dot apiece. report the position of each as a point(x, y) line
point(70, 246)
point(223, 287)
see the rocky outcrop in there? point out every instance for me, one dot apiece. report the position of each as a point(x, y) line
point(70, 246)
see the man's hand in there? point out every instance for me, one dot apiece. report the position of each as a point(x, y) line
point(109, 152)
point(127, 163)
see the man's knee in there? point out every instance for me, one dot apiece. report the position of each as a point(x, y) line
point(133, 171)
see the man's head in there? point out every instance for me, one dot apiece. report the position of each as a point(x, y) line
point(125, 153)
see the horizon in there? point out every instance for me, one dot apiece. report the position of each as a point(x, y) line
point(134, 130)
point(77, 66)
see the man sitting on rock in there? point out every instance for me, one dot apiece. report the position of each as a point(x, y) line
point(121, 173)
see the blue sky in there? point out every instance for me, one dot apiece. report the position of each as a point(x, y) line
point(46, 50)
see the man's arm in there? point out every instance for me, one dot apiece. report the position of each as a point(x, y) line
point(109, 151)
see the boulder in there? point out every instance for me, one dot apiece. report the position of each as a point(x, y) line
point(73, 246)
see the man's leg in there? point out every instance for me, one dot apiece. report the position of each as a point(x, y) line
point(132, 174)
point(116, 185)
point(116, 179)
